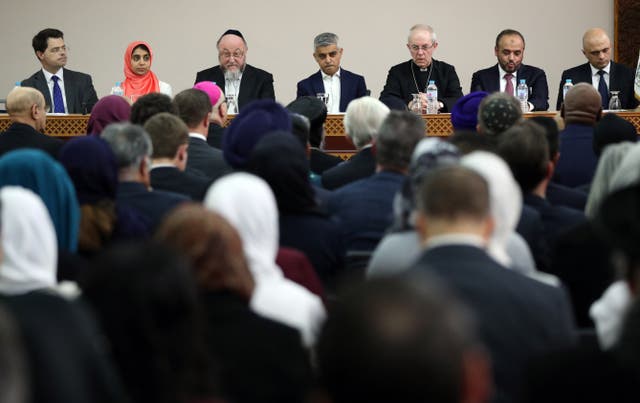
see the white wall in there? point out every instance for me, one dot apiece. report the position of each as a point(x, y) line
point(280, 35)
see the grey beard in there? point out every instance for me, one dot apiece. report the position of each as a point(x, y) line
point(232, 75)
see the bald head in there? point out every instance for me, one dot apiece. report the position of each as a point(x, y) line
point(582, 105)
point(596, 47)
point(26, 105)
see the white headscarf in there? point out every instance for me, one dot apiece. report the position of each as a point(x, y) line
point(29, 246)
point(247, 202)
point(608, 166)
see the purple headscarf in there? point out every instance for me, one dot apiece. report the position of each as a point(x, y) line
point(110, 109)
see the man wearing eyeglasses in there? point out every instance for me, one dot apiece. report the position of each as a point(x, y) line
point(600, 71)
point(507, 73)
point(243, 83)
point(64, 90)
point(413, 76)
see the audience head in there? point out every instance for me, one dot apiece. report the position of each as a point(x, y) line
point(362, 120)
point(37, 171)
point(50, 49)
point(212, 246)
point(509, 50)
point(327, 52)
point(218, 101)
point(422, 43)
point(232, 51)
point(132, 148)
point(612, 129)
point(169, 138)
point(469, 141)
point(316, 111)
point(464, 115)
point(401, 339)
point(397, 137)
point(29, 248)
point(524, 148)
point(498, 112)
point(552, 131)
point(150, 104)
point(193, 107)
point(582, 105)
point(249, 126)
point(27, 105)
point(109, 109)
point(596, 47)
point(300, 129)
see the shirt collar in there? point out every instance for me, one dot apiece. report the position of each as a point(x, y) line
point(198, 136)
point(455, 239)
point(502, 72)
point(595, 71)
point(325, 76)
point(58, 73)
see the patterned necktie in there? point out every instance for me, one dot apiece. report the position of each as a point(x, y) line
point(603, 90)
point(509, 87)
point(58, 103)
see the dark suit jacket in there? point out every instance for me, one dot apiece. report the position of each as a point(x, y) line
point(20, 135)
point(319, 161)
point(621, 79)
point(400, 85)
point(565, 196)
point(174, 180)
point(352, 86)
point(556, 220)
point(255, 83)
point(577, 163)
point(489, 80)
point(78, 89)
point(518, 318)
point(359, 166)
point(153, 205)
point(205, 160)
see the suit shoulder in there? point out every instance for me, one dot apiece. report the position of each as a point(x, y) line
point(348, 73)
point(207, 72)
point(32, 78)
point(259, 72)
point(76, 74)
point(533, 69)
point(443, 65)
point(484, 71)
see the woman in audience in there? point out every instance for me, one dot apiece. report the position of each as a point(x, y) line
point(259, 359)
point(139, 79)
point(92, 167)
point(146, 301)
point(299, 213)
point(247, 202)
point(109, 109)
point(63, 356)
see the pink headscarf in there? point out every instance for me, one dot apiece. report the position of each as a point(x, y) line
point(135, 85)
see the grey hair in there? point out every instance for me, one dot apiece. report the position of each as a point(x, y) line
point(363, 119)
point(129, 142)
point(325, 39)
point(423, 27)
point(397, 138)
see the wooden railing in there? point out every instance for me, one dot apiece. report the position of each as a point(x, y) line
point(336, 142)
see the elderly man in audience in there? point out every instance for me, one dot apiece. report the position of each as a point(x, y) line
point(28, 112)
point(133, 150)
point(362, 123)
point(519, 318)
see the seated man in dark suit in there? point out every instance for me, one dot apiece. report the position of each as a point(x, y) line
point(361, 122)
point(341, 86)
point(242, 82)
point(365, 207)
point(412, 77)
point(600, 71)
point(66, 91)
point(28, 112)
point(194, 108)
point(506, 75)
point(170, 139)
point(518, 318)
point(132, 148)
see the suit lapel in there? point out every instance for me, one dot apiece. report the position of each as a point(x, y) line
point(494, 80)
point(70, 89)
point(316, 83)
point(246, 87)
point(41, 85)
point(345, 88)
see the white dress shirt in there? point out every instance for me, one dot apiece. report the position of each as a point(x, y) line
point(332, 87)
point(232, 88)
point(595, 77)
point(60, 75)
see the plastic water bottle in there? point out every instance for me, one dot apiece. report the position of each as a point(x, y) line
point(566, 87)
point(432, 97)
point(18, 85)
point(117, 90)
point(523, 96)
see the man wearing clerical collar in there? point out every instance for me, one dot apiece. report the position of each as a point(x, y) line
point(413, 76)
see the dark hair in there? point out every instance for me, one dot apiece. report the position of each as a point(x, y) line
point(398, 135)
point(316, 111)
point(141, 46)
point(40, 41)
point(398, 339)
point(153, 323)
point(508, 32)
point(454, 192)
point(167, 133)
point(468, 142)
point(300, 128)
point(552, 131)
point(524, 148)
point(149, 105)
point(192, 106)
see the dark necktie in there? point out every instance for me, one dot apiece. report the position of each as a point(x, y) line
point(603, 90)
point(509, 87)
point(58, 103)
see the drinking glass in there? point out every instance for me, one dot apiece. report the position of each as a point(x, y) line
point(416, 104)
point(614, 102)
point(323, 96)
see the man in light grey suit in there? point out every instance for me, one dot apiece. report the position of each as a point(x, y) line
point(65, 91)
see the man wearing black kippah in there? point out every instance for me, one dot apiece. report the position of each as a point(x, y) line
point(242, 82)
